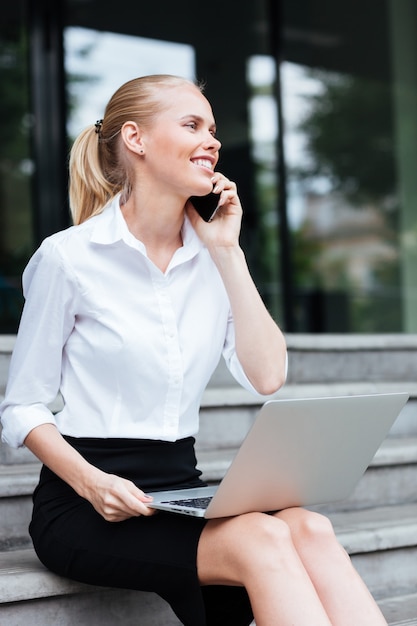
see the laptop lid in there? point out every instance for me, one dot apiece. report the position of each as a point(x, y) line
point(303, 452)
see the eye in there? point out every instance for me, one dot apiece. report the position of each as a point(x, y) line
point(192, 125)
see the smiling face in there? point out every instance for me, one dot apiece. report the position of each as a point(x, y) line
point(180, 147)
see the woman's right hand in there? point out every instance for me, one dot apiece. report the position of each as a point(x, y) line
point(117, 499)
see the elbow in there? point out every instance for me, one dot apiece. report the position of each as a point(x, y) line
point(268, 374)
point(269, 385)
point(271, 381)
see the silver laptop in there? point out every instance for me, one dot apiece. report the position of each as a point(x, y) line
point(298, 452)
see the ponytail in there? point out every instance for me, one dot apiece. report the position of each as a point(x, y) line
point(89, 190)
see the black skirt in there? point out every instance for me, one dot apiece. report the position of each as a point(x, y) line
point(156, 553)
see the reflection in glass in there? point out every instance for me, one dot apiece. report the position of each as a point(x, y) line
point(16, 166)
point(343, 207)
point(402, 18)
point(263, 131)
point(97, 63)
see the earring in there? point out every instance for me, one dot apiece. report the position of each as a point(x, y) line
point(141, 151)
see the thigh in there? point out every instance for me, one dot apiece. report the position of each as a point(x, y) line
point(231, 549)
point(72, 539)
point(156, 553)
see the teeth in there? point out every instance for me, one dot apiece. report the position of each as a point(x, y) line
point(203, 163)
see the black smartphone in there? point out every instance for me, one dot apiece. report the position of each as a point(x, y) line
point(206, 206)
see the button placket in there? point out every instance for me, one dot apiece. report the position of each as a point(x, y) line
point(174, 359)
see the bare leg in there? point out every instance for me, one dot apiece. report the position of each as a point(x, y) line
point(257, 552)
point(293, 567)
point(342, 592)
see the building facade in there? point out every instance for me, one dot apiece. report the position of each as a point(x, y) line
point(316, 106)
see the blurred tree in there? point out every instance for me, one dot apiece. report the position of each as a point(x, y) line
point(349, 134)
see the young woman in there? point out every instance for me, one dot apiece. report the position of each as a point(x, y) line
point(127, 314)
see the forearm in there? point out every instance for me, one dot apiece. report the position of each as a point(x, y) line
point(50, 447)
point(113, 497)
point(260, 345)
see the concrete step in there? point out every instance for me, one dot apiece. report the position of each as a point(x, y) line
point(344, 358)
point(29, 592)
point(382, 542)
point(228, 412)
point(17, 483)
point(318, 358)
point(400, 610)
point(390, 479)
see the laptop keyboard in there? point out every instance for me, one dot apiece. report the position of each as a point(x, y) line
point(195, 503)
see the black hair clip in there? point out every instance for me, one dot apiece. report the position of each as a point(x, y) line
point(98, 125)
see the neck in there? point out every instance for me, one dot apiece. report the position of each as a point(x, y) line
point(157, 225)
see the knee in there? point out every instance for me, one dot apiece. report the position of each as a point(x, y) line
point(315, 524)
point(264, 531)
point(237, 548)
point(309, 526)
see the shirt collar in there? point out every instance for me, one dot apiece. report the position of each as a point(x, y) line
point(110, 227)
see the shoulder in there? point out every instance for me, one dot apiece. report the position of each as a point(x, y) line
point(69, 242)
point(74, 235)
point(56, 252)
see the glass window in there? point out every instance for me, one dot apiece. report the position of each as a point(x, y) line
point(104, 48)
point(16, 166)
point(97, 63)
point(316, 115)
point(263, 129)
point(349, 90)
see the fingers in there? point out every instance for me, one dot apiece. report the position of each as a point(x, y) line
point(224, 229)
point(133, 502)
point(138, 501)
point(120, 499)
point(120, 510)
point(225, 188)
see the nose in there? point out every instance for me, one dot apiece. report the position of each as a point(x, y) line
point(212, 143)
point(218, 143)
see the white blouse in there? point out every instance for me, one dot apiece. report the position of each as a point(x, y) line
point(130, 348)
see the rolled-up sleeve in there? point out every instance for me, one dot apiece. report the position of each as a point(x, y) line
point(35, 368)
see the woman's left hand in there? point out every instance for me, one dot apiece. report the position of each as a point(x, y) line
point(224, 229)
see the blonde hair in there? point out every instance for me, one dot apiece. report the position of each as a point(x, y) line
point(98, 168)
